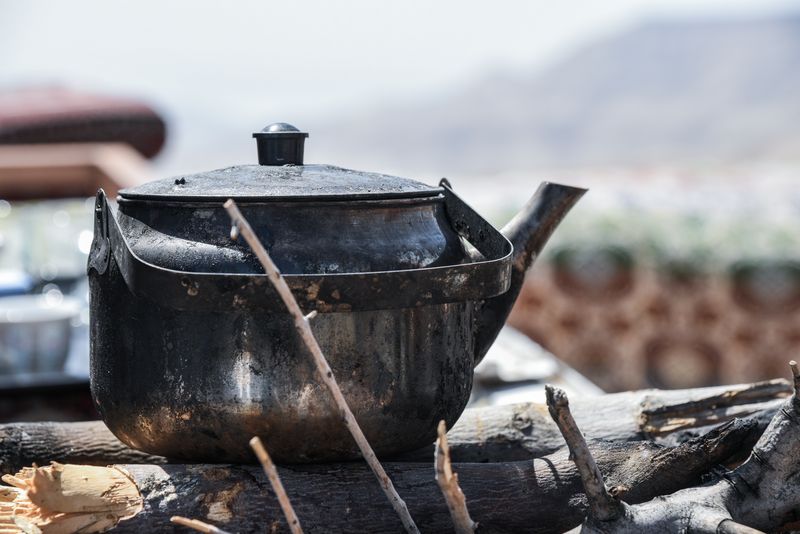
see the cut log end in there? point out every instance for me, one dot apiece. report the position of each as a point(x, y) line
point(70, 498)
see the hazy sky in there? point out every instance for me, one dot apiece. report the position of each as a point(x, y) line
point(212, 65)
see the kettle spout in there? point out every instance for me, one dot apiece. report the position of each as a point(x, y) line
point(528, 231)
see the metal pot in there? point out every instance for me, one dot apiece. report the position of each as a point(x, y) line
point(35, 333)
point(192, 352)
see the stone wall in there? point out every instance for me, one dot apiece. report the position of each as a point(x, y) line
point(629, 326)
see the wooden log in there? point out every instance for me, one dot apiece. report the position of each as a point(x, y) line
point(761, 495)
point(90, 443)
point(521, 431)
point(495, 434)
point(541, 495)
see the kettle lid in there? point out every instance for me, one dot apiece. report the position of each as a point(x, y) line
point(280, 176)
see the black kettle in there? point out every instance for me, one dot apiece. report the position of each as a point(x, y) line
point(192, 352)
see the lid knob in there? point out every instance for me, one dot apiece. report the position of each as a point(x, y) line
point(280, 144)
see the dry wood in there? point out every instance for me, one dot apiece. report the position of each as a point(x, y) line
point(197, 525)
point(87, 442)
point(68, 498)
point(543, 495)
point(277, 486)
point(522, 431)
point(601, 504)
point(496, 434)
point(326, 374)
point(761, 494)
point(448, 483)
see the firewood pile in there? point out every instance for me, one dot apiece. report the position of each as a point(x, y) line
point(721, 459)
point(652, 448)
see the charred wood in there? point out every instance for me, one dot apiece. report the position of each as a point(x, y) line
point(522, 431)
point(541, 495)
point(495, 434)
point(760, 495)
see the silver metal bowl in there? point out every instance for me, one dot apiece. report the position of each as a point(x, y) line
point(35, 332)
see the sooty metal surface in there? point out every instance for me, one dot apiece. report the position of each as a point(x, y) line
point(276, 183)
point(236, 288)
point(189, 364)
point(193, 353)
point(198, 385)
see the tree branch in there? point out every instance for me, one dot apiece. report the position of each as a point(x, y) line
point(729, 526)
point(197, 525)
point(602, 505)
point(277, 486)
point(448, 483)
point(324, 370)
point(761, 494)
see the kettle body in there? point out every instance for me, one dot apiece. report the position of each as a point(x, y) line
point(193, 352)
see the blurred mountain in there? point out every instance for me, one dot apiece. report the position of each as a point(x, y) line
point(675, 91)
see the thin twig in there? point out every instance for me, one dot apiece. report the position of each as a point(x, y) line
point(277, 486)
point(448, 483)
point(197, 525)
point(729, 526)
point(602, 506)
point(326, 374)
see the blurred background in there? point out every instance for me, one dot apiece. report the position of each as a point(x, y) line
point(680, 268)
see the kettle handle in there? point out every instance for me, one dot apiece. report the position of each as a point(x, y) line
point(336, 292)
